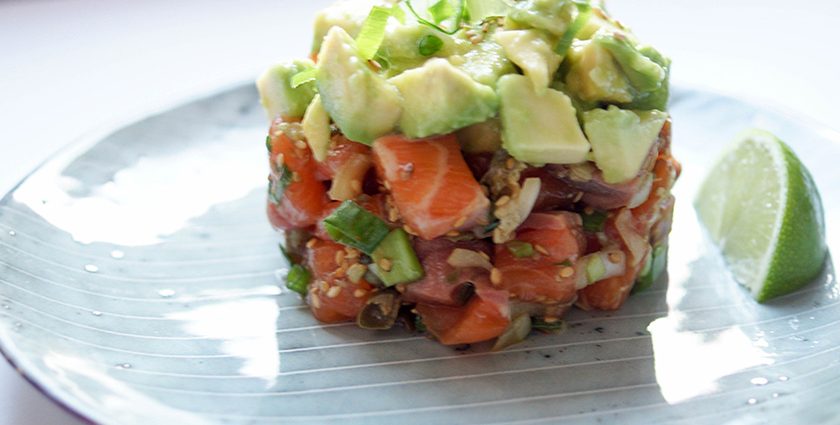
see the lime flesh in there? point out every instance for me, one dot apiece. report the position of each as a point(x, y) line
point(762, 209)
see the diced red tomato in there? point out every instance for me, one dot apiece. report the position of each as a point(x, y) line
point(332, 297)
point(442, 282)
point(485, 316)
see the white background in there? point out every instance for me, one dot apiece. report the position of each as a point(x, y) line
point(70, 67)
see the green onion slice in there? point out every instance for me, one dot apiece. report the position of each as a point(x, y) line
point(298, 279)
point(430, 45)
point(373, 32)
point(458, 14)
point(356, 227)
point(584, 13)
point(520, 249)
point(594, 223)
point(402, 263)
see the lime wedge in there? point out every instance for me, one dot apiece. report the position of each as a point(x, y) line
point(761, 207)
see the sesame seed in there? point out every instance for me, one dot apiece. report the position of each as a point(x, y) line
point(510, 163)
point(356, 272)
point(351, 253)
point(588, 210)
point(460, 221)
point(359, 293)
point(567, 272)
point(502, 201)
point(409, 230)
point(387, 185)
point(334, 291)
point(384, 264)
point(550, 319)
point(541, 249)
point(300, 144)
point(495, 276)
point(393, 215)
point(614, 257)
point(484, 255)
point(400, 288)
point(578, 197)
point(323, 285)
point(295, 177)
point(339, 257)
point(453, 233)
point(341, 271)
point(311, 243)
point(315, 301)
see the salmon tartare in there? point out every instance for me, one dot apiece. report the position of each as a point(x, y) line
point(470, 169)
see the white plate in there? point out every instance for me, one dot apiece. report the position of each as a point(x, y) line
point(140, 282)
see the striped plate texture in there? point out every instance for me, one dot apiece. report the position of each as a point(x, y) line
point(139, 285)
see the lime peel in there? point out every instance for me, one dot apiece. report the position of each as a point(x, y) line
point(762, 209)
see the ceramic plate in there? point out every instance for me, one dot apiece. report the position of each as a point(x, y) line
point(140, 280)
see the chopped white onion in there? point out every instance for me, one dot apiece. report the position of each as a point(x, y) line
point(463, 258)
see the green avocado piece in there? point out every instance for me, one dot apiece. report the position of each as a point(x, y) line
point(621, 139)
point(276, 93)
point(594, 76)
point(440, 98)
point(539, 128)
point(362, 103)
point(349, 15)
point(485, 62)
point(644, 74)
point(553, 16)
point(401, 47)
point(316, 128)
point(656, 99)
point(533, 52)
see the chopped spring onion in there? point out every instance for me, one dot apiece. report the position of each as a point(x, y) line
point(303, 77)
point(515, 333)
point(479, 10)
point(594, 223)
point(373, 32)
point(277, 185)
point(298, 279)
point(429, 45)
point(599, 266)
point(441, 10)
point(540, 324)
point(458, 15)
point(355, 227)
point(584, 13)
point(395, 261)
point(268, 143)
point(380, 311)
point(520, 249)
point(654, 267)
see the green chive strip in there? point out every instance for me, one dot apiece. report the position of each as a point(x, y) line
point(373, 32)
point(356, 227)
point(298, 279)
point(584, 13)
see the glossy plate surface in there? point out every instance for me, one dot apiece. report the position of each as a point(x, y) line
point(139, 284)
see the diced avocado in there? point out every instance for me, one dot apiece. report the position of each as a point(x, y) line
point(622, 139)
point(599, 20)
point(656, 99)
point(484, 137)
point(276, 92)
point(644, 74)
point(532, 51)
point(594, 76)
point(539, 128)
point(401, 48)
point(394, 260)
point(346, 14)
point(316, 128)
point(440, 98)
point(485, 63)
point(362, 103)
point(553, 16)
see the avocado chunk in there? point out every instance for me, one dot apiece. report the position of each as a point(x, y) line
point(553, 16)
point(531, 50)
point(644, 74)
point(349, 15)
point(403, 47)
point(440, 98)
point(658, 98)
point(485, 63)
point(622, 139)
point(276, 93)
point(539, 128)
point(594, 76)
point(316, 128)
point(362, 103)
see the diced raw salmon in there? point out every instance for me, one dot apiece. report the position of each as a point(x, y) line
point(442, 283)
point(485, 316)
point(560, 234)
point(332, 297)
point(432, 186)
